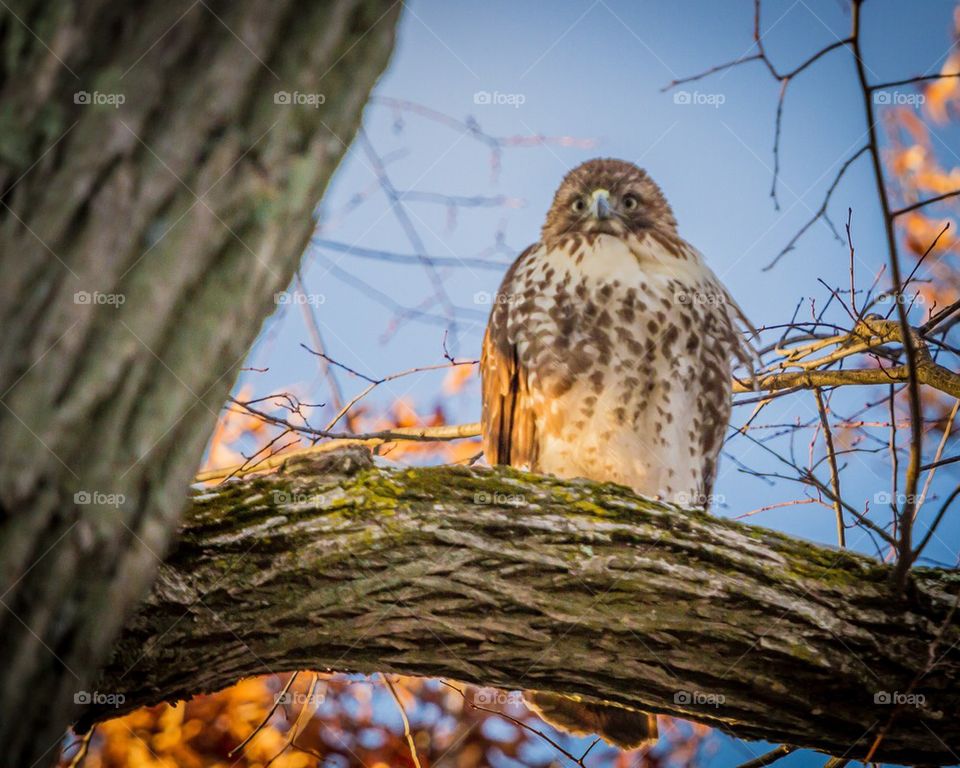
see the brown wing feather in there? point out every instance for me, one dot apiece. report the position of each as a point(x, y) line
point(509, 429)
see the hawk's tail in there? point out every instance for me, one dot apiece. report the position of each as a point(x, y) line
point(620, 726)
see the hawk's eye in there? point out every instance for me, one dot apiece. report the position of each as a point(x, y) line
point(630, 202)
point(579, 205)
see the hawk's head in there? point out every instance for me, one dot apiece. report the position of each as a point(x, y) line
point(606, 196)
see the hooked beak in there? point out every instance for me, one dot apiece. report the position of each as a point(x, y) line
point(600, 204)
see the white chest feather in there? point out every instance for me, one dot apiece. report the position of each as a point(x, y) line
point(627, 349)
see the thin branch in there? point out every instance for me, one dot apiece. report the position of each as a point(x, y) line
point(784, 78)
point(939, 454)
point(407, 258)
point(836, 762)
point(276, 704)
point(939, 317)
point(820, 213)
point(834, 472)
point(521, 724)
point(712, 71)
point(83, 744)
point(922, 203)
point(909, 80)
point(313, 328)
point(406, 223)
point(369, 439)
point(768, 758)
point(941, 463)
point(374, 383)
point(408, 735)
point(305, 713)
point(936, 521)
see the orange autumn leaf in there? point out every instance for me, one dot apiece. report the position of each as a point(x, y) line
point(944, 93)
point(404, 414)
point(908, 120)
point(457, 377)
point(231, 426)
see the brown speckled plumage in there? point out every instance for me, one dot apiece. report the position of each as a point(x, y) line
point(609, 349)
point(608, 355)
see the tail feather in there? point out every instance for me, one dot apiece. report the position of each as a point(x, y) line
point(620, 726)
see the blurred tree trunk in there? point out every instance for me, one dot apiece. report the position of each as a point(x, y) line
point(157, 188)
point(508, 579)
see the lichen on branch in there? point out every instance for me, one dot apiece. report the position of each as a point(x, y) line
point(499, 577)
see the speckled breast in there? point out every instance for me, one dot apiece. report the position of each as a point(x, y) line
point(627, 351)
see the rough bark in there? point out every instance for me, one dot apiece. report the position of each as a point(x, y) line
point(517, 581)
point(140, 244)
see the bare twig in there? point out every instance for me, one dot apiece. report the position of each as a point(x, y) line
point(305, 713)
point(784, 79)
point(922, 203)
point(83, 746)
point(407, 734)
point(911, 80)
point(768, 758)
point(834, 472)
point(529, 728)
point(820, 213)
point(276, 704)
point(369, 439)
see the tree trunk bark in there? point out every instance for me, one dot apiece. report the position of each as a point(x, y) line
point(508, 579)
point(156, 188)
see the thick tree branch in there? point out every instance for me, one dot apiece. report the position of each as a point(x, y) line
point(510, 579)
point(141, 246)
point(870, 334)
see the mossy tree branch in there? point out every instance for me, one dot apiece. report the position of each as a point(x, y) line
point(518, 581)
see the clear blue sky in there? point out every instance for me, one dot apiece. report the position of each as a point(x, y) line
point(594, 70)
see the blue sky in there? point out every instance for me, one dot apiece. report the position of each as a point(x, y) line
point(594, 70)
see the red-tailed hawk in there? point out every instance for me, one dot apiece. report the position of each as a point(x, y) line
point(608, 356)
